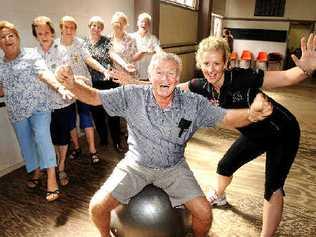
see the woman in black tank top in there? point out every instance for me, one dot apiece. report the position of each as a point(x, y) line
point(277, 136)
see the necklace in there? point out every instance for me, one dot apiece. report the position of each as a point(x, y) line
point(215, 97)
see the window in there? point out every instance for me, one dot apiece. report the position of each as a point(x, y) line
point(192, 4)
point(216, 25)
point(270, 8)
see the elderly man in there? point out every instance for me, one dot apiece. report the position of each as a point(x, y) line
point(161, 119)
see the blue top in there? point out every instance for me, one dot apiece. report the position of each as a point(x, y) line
point(155, 139)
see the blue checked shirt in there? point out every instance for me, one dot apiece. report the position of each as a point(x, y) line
point(155, 139)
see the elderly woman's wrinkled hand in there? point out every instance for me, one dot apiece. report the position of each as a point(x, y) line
point(307, 62)
point(260, 108)
point(65, 76)
point(121, 77)
point(65, 94)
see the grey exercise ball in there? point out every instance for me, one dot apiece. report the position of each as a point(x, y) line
point(150, 214)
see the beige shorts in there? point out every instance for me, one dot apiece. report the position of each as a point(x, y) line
point(129, 178)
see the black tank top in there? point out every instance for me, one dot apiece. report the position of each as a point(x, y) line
point(238, 91)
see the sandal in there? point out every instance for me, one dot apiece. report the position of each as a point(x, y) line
point(52, 195)
point(33, 183)
point(63, 178)
point(75, 154)
point(94, 158)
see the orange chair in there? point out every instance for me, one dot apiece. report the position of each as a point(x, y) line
point(233, 56)
point(233, 60)
point(262, 56)
point(246, 59)
point(246, 55)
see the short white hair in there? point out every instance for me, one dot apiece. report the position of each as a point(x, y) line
point(164, 56)
point(119, 16)
point(98, 20)
point(144, 16)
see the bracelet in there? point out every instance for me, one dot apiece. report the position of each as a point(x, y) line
point(307, 73)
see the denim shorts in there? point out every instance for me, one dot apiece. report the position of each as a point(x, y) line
point(85, 117)
point(129, 178)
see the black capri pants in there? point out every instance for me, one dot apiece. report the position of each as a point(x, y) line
point(280, 155)
point(61, 125)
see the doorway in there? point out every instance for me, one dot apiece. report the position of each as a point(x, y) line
point(296, 31)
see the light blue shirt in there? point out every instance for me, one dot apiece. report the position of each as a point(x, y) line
point(154, 137)
point(24, 92)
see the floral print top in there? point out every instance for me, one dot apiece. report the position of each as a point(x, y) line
point(100, 52)
point(54, 57)
point(24, 92)
point(77, 53)
point(126, 48)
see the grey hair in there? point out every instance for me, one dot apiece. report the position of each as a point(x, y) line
point(164, 56)
point(96, 19)
point(144, 16)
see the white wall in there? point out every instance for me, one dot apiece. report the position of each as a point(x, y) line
point(256, 46)
point(22, 12)
point(10, 157)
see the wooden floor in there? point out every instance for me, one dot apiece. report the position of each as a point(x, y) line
point(27, 214)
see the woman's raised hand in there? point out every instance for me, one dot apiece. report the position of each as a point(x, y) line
point(307, 62)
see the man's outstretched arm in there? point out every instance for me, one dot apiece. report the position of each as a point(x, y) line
point(259, 110)
point(76, 85)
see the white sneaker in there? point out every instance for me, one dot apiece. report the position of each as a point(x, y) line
point(216, 200)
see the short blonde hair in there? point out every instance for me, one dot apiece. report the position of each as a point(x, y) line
point(96, 19)
point(118, 16)
point(10, 26)
point(144, 16)
point(67, 19)
point(164, 56)
point(209, 44)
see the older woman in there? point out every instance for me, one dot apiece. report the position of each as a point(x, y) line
point(123, 53)
point(147, 45)
point(124, 46)
point(99, 47)
point(28, 106)
point(278, 136)
point(54, 55)
point(79, 58)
